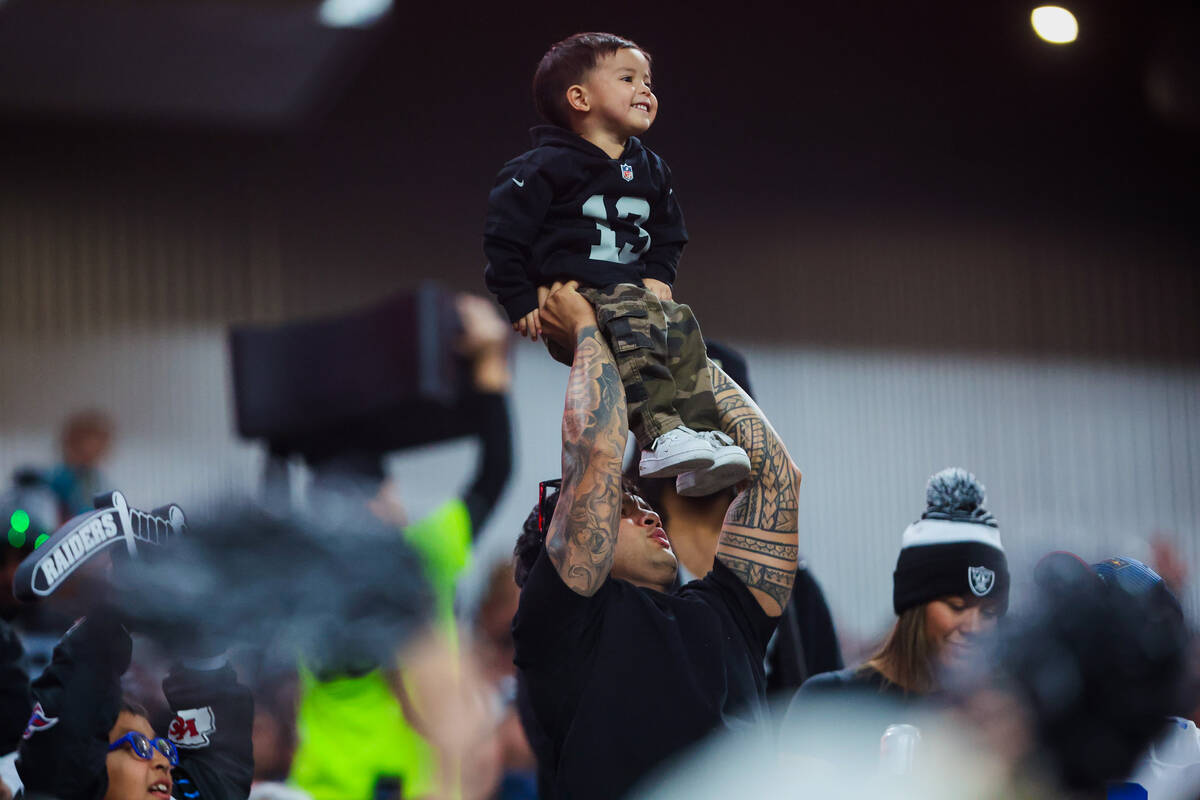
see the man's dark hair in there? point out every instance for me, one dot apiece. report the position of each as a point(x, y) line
point(532, 539)
point(566, 64)
point(533, 536)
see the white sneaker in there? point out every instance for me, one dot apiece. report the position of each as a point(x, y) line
point(730, 465)
point(678, 450)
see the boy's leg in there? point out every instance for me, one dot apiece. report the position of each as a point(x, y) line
point(697, 406)
point(687, 359)
point(635, 326)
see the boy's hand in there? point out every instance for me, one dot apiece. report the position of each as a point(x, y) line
point(529, 325)
point(661, 290)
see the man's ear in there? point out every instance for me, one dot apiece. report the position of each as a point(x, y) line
point(577, 98)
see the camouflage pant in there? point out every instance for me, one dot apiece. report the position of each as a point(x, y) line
point(661, 356)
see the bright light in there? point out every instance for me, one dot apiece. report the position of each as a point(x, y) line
point(352, 13)
point(19, 520)
point(1054, 24)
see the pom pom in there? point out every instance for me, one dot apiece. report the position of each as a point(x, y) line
point(955, 494)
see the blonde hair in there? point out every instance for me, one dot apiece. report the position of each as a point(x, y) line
point(906, 657)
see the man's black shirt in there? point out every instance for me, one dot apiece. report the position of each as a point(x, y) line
point(566, 210)
point(618, 682)
point(806, 643)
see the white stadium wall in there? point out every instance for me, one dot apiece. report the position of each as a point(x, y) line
point(120, 299)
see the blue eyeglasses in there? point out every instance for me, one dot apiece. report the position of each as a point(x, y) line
point(144, 747)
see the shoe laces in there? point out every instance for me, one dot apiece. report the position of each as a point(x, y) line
point(718, 437)
point(684, 429)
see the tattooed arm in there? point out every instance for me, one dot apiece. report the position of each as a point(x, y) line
point(759, 537)
point(583, 531)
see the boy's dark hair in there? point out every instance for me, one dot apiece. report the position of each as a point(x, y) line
point(130, 704)
point(566, 64)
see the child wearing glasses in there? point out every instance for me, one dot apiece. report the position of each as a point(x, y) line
point(589, 203)
point(85, 741)
point(138, 762)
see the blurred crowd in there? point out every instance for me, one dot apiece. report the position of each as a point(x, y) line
point(277, 651)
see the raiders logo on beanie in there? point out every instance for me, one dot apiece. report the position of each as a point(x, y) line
point(953, 549)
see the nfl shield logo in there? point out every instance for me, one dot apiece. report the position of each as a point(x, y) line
point(627, 172)
point(981, 580)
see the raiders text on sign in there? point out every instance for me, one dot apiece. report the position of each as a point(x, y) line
point(84, 540)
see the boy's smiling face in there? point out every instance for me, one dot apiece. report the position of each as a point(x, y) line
point(618, 94)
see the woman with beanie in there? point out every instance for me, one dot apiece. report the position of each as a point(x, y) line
point(950, 586)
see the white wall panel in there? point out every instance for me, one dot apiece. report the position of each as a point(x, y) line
point(119, 298)
point(1088, 457)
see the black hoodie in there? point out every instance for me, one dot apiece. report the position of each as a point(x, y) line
point(565, 210)
point(15, 701)
point(78, 696)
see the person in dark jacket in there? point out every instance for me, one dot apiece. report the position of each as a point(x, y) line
point(589, 203)
point(15, 704)
point(84, 741)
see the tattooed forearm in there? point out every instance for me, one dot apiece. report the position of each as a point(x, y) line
point(776, 584)
point(769, 502)
point(759, 539)
point(787, 552)
point(740, 417)
point(583, 531)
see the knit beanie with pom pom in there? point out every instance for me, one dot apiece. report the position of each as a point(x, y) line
point(953, 549)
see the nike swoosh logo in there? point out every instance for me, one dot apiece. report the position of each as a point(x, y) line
point(518, 183)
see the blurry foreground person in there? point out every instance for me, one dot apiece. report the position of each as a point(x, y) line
point(494, 643)
point(617, 671)
point(335, 584)
point(1132, 648)
point(950, 586)
point(370, 725)
point(1170, 769)
point(1058, 705)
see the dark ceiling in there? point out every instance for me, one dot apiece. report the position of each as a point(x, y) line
point(853, 103)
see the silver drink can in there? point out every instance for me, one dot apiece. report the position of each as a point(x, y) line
point(897, 748)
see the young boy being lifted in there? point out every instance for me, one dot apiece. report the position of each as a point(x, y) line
point(589, 203)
